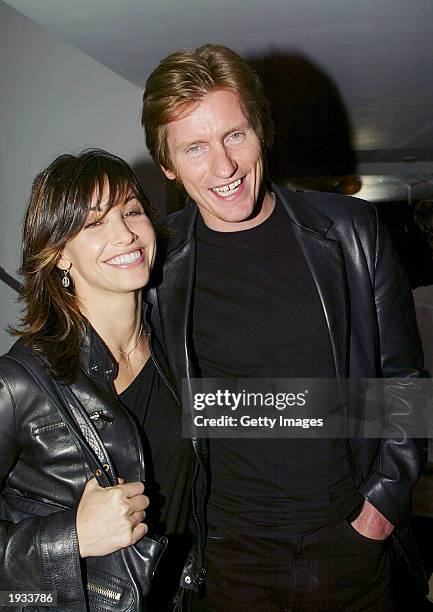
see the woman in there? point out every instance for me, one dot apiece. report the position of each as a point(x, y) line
point(88, 249)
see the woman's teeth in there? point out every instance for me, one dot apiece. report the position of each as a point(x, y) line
point(227, 190)
point(125, 259)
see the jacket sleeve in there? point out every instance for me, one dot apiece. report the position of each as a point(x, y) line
point(399, 460)
point(38, 552)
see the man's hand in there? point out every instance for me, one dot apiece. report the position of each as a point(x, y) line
point(371, 523)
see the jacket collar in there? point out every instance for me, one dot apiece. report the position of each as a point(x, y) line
point(96, 359)
point(300, 211)
point(182, 225)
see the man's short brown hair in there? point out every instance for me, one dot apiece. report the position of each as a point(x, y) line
point(183, 78)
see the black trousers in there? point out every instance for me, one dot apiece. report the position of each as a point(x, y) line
point(334, 568)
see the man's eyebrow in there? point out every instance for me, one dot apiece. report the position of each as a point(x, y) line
point(245, 125)
point(187, 143)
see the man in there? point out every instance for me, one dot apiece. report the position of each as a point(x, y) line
point(260, 282)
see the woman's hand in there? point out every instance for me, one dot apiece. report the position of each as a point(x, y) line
point(110, 518)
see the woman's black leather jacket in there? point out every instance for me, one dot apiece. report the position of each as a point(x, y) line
point(42, 473)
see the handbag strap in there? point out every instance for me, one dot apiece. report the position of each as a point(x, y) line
point(78, 422)
point(88, 437)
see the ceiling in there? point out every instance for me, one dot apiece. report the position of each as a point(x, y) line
point(379, 52)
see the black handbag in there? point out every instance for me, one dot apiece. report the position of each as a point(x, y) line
point(121, 580)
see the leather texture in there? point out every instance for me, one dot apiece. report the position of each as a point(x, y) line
point(42, 472)
point(368, 307)
point(122, 580)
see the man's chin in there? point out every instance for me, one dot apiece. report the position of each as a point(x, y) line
point(239, 216)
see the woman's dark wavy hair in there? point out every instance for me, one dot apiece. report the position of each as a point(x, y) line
point(60, 199)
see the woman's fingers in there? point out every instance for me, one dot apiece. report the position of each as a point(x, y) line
point(139, 532)
point(138, 503)
point(136, 518)
point(131, 489)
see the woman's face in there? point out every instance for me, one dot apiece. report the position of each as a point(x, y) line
point(113, 253)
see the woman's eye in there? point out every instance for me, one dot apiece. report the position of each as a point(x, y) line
point(92, 224)
point(133, 213)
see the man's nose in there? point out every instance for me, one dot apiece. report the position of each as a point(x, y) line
point(224, 165)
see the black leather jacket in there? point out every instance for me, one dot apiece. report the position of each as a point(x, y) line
point(368, 309)
point(42, 474)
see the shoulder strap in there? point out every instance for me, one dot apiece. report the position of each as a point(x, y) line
point(77, 421)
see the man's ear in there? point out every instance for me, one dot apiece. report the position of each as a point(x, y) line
point(170, 174)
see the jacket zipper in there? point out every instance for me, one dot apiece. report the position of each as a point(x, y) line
point(98, 414)
point(106, 592)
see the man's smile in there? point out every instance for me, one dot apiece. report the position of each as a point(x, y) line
point(225, 191)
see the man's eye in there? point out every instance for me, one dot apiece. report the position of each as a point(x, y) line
point(193, 149)
point(236, 137)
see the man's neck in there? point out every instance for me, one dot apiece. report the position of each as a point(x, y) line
point(263, 210)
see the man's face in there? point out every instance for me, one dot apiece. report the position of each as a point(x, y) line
point(217, 157)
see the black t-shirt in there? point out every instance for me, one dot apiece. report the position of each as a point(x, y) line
point(257, 314)
point(169, 457)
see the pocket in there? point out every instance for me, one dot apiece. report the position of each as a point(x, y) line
point(362, 539)
point(121, 581)
point(108, 592)
point(98, 417)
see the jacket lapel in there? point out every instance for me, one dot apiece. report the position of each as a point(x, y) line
point(175, 300)
point(326, 262)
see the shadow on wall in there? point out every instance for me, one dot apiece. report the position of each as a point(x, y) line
point(313, 140)
point(163, 194)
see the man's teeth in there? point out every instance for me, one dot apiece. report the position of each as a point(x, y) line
point(227, 190)
point(125, 259)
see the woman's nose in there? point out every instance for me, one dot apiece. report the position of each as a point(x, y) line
point(121, 232)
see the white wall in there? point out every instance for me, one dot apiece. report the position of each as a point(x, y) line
point(54, 99)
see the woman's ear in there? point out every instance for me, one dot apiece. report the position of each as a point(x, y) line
point(63, 263)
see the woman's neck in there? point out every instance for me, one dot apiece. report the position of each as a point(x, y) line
point(117, 321)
